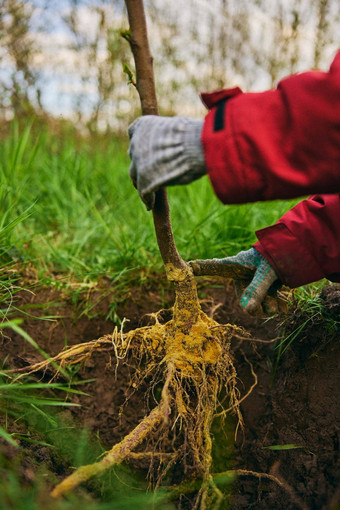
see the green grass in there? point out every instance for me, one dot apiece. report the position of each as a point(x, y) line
point(312, 311)
point(83, 217)
point(38, 430)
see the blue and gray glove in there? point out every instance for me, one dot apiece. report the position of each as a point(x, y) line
point(164, 151)
point(236, 267)
point(263, 278)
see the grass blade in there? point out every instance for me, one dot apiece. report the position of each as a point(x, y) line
point(7, 437)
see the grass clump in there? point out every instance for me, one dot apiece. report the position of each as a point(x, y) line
point(86, 220)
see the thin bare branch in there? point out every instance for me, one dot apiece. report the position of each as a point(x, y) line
point(138, 39)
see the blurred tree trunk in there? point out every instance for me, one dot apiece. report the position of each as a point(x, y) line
point(198, 45)
point(322, 29)
point(19, 89)
point(101, 52)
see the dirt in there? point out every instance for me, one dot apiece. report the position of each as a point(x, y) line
point(295, 404)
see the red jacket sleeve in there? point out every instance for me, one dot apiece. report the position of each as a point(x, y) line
point(304, 245)
point(281, 143)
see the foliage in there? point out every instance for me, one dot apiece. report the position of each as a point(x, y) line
point(29, 422)
point(308, 310)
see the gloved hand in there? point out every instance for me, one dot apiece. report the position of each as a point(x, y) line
point(164, 151)
point(263, 278)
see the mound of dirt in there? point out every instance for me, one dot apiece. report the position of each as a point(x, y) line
point(290, 419)
point(297, 408)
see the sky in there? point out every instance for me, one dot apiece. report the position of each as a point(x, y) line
point(61, 68)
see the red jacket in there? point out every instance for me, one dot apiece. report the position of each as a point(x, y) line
point(283, 143)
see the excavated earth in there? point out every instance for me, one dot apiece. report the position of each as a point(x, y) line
point(295, 404)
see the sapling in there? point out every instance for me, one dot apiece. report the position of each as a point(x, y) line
point(190, 353)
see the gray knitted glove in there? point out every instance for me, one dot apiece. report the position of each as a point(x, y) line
point(164, 151)
point(264, 277)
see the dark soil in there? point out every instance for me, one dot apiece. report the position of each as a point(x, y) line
point(296, 404)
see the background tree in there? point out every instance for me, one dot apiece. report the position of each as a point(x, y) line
point(101, 51)
point(19, 91)
point(71, 64)
point(327, 21)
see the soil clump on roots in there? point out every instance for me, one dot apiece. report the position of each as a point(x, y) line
point(189, 357)
point(297, 407)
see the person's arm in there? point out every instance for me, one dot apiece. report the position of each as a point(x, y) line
point(282, 143)
point(304, 245)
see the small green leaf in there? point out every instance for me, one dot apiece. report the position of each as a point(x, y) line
point(129, 73)
point(126, 34)
point(24, 437)
point(282, 447)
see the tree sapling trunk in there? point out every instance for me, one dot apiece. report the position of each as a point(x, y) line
point(189, 353)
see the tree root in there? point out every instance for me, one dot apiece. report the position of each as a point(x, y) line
point(281, 483)
point(116, 455)
point(194, 362)
point(190, 355)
